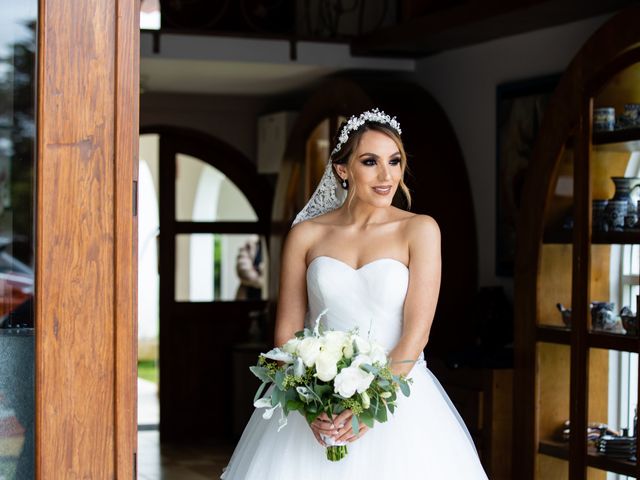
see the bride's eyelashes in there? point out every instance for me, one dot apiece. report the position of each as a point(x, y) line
point(370, 162)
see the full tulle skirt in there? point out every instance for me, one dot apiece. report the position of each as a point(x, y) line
point(424, 439)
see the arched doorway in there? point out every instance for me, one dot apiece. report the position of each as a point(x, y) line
point(437, 178)
point(212, 259)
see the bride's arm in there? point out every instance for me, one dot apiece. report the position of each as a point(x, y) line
point(292, 301)
point(422, 294)
point(292, 295)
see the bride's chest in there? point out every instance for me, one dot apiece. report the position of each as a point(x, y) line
point(381, 283)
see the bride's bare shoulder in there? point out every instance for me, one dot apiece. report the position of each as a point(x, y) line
point(422, 228)
point(304, 234)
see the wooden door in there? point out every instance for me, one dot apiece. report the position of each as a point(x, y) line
point(85, 289)
point(202, 320)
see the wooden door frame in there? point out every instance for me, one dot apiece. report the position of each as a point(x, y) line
point(86, 238)
point(233, 164)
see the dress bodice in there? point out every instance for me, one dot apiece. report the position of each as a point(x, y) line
point(370, 298)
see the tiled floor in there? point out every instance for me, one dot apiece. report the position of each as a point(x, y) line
point(172, 462)
point(201, 462)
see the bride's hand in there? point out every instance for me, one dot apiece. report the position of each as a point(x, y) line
point(322, 424)
point(345, 433)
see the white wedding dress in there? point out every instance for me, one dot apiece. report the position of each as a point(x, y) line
point(424, 439)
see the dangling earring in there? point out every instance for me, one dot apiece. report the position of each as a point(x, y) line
point(345, 184)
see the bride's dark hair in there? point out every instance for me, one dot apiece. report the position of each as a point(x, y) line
point(349, 148)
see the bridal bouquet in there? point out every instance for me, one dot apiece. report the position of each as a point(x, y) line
point(328, 371)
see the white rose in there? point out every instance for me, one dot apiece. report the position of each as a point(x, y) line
point(309, 349)
point(347, 350)
point(378, 354)
point(335, 340)
point(360, 360)
point(291, 346)
point(362, 345)
point(351, 380)
point(326, 366)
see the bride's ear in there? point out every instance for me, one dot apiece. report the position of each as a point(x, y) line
point(341, 170)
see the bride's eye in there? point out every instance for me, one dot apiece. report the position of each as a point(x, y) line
point(369, 162)
point(394, 161)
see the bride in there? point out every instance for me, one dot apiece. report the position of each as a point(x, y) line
point(375, 267)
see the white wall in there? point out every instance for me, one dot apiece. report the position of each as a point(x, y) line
point(230, 118)
point(464, 82)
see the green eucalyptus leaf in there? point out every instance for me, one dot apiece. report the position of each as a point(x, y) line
point(381, 414)
point(355, 424)
point(322, 390)
point(259, 391)
point(261, 373)
point(404, 388)
point(276, 397)
point(367, 419)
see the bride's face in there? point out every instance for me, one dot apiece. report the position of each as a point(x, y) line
point(374, 172)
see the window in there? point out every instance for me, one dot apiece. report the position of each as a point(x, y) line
point(623, 366)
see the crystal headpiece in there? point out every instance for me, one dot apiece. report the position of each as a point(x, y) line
point(355, 122)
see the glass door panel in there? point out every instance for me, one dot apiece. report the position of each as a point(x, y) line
point(205, 194)
point(220, 267)
point(17, 139)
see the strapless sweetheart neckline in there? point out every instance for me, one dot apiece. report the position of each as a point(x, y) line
point(361, 266)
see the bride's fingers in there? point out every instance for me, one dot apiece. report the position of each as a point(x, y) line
point(343, 419)
point(323, 417)
point(363, 430)
point(346, 434)
point(324, 427)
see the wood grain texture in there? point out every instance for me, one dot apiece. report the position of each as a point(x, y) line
point(127, 97)
point(85, 283)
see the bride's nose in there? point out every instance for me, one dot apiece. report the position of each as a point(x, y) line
point(384, 173)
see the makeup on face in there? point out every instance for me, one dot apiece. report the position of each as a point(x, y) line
point(377, 167)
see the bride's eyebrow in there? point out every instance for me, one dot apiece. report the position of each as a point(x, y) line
point(368, 154)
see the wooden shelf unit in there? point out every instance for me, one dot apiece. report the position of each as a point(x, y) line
point(554, 448)
point(563, 373)
point(609, 341)
point(627, 237)
point(627, 139)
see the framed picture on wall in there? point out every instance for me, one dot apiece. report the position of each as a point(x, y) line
point(519, 108)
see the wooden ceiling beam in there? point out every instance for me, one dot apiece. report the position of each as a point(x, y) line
point(477, 21)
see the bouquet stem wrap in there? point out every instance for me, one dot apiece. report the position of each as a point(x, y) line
point(335, 450)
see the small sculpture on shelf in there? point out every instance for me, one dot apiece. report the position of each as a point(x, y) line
point(630, 117)
point(599, 221)
point(594, 431)
point(604, 119)
point(566, 314)
point(604, 318)
point(619, 213)
point(621, 446)
point(629, 321)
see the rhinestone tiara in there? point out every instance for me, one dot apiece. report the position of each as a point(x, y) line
point(355, 122)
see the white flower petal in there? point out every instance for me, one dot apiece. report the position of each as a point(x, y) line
point(262, 402)
point(268, 413)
